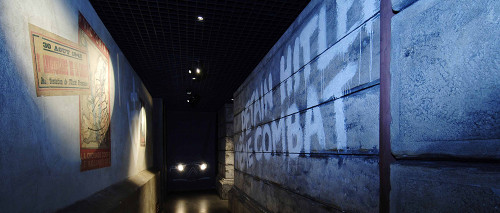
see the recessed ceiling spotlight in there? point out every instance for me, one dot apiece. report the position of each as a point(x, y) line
point(200, 18)
point(188, 100)
point(188, 92)
point(194, 78)
point(232, 99)
point(198, 70)
point(189, 71)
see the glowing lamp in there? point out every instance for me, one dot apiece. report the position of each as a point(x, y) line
point(203, 166)
point(180, 167)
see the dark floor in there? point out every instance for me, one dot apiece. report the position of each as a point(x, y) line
point(195, 202)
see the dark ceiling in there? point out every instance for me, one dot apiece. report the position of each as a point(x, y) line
point(164, 39)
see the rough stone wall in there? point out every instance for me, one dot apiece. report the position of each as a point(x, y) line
point(39, 144)
point(445, 105)
point(306, 119)
point(225, 175)
point(445, 79)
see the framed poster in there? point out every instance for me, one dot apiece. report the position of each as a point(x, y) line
point(59, 65)
point(95, 108)
point(142, 127)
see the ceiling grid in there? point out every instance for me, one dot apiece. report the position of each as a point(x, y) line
point(163, 39)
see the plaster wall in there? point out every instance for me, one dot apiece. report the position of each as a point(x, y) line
point(39, 147)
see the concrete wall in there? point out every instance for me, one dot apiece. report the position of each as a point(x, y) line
point(40, 151)
point(306, 119)
point(225, 149)
point(445, 80)
point(445, 104)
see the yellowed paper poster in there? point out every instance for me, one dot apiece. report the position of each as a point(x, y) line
point(60, 66)
point(142, 127)
point(95, 108)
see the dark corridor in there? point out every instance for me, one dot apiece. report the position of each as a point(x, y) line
point(269, 106)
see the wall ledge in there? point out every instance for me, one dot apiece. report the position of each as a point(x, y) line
point(241, 202)
point(123, 196)
point(223, 187)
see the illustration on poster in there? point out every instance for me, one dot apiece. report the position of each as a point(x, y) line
point(97, 106)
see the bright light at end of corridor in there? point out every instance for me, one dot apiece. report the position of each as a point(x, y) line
point(203, 166)
point(180, 167)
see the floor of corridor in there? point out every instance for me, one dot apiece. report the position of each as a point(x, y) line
point(195, 202)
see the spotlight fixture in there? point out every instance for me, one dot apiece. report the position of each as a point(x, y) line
point(188, 92)
point(180, 167)
point(197, 71)
point(200, 18)
point(193, 99)
point(203, 166)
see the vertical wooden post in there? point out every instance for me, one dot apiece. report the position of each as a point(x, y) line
point(385, 156)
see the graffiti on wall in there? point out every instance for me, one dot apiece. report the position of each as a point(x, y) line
point(294, 131)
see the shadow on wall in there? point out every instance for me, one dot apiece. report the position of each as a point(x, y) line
point(27, 148)
point(131, 107)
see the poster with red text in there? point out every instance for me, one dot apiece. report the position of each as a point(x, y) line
point(59, 65)
point(95, 108)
